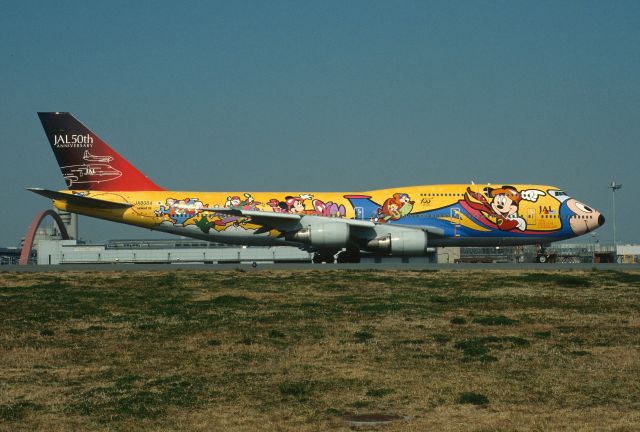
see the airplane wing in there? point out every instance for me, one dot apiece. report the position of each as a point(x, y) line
point(80, 200)
point(256, 216)
point(430, 229)
point(269, 220)
point(253, 213)
point(291, 222)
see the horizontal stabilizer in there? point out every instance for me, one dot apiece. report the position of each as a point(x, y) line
point(80, 200)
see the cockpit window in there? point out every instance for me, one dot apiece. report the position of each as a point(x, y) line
point(557, 193)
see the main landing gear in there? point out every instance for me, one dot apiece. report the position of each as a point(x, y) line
point(543, 258)
point(323, 257)
point(350, 255)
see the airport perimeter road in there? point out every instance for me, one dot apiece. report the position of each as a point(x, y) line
point(320, 267)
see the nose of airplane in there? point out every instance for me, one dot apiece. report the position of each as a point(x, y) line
point(585, 218)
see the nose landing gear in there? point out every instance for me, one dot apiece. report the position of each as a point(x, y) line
point(544, 256)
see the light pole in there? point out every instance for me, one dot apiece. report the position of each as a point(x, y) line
point(614, 187)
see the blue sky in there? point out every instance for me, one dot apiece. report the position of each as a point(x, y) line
point(327, 95)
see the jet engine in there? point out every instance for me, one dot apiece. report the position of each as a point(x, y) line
point(400, 242)
point(324, 235)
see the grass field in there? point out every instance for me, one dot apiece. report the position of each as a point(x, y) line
point(296, 351)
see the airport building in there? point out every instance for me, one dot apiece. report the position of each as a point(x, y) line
point(628, 253)
point(9, 255)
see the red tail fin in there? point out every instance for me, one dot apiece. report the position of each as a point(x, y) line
point(86, 161)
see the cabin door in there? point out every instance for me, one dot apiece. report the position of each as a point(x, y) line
point(531, 216)
point(456, 216)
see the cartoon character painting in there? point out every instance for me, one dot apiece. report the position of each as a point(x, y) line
point(389, 211)
point(180, 212)
point(578, 217)
point(222, 222)
point(297, 205)
point(234, 202)
point(248, 203)
point(504, 206)
point(393, 208)
point(396, 207)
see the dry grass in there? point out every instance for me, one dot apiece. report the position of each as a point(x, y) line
point(297, 351)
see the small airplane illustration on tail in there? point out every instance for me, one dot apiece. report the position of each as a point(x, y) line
point(91, 158)
point(401, 221)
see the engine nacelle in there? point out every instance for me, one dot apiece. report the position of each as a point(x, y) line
point(400, 242)
point(324, 235)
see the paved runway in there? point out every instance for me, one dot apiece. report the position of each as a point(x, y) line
point(320, 267)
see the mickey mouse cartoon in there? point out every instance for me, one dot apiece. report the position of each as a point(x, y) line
point(504, 205)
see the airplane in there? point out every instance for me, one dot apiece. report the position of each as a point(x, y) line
point(92, 158)
point(401, 221)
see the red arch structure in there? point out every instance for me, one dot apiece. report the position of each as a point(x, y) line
point(33, 228)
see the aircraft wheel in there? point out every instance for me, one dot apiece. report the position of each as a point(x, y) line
point(319, 258)
point(350, 255)
point(353, 256)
